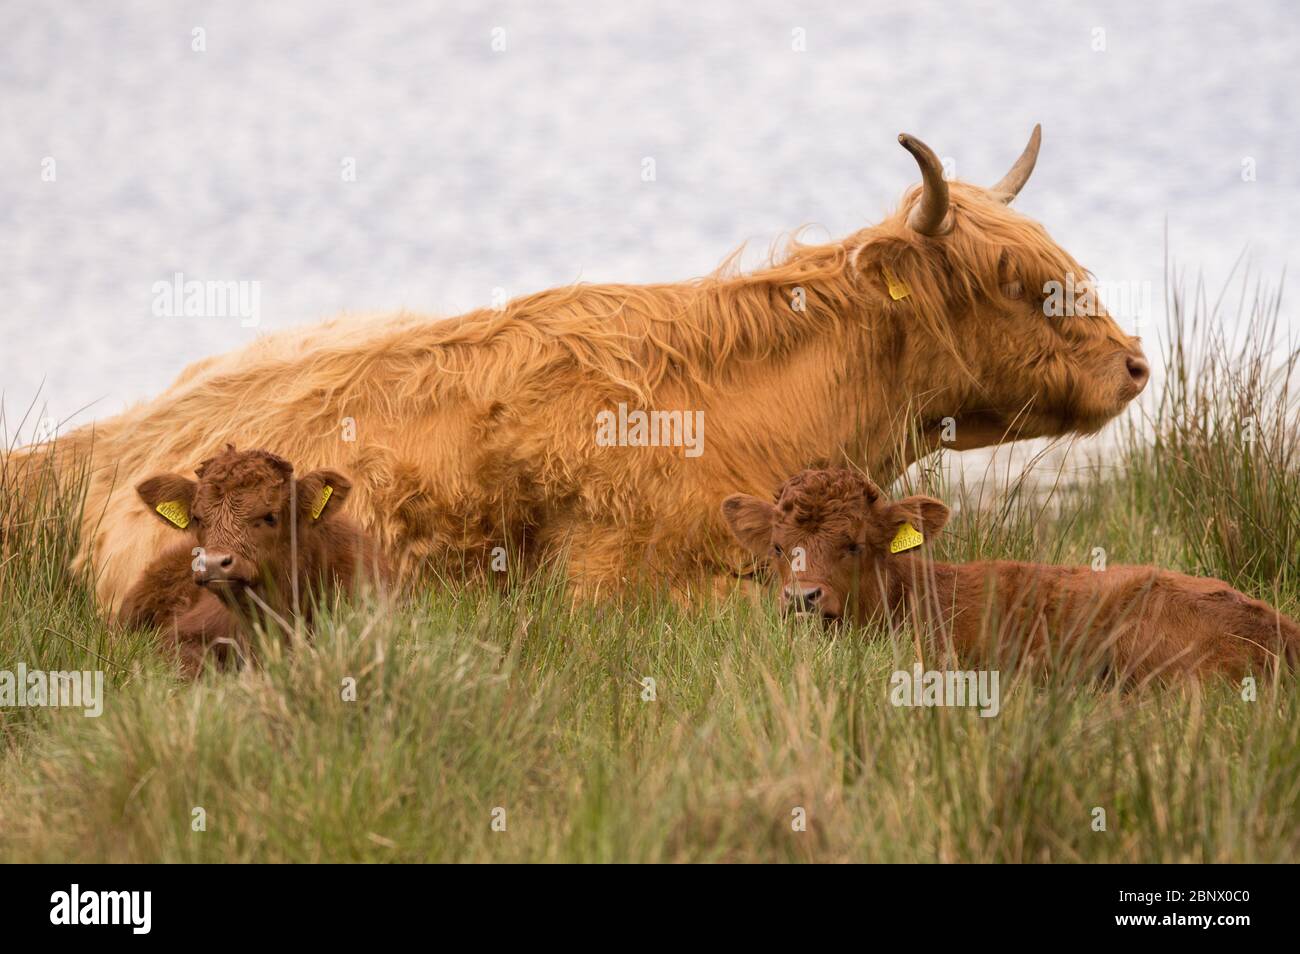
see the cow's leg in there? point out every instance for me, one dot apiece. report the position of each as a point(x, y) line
point(748, 588)
point(165, 589)
point(206, 631)
point(599, 566)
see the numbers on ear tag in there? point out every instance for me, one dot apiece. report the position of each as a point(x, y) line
point(321, 500)
point(174, 512)
point(907, 538)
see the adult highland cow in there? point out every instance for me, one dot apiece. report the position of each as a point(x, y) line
point(485, 430)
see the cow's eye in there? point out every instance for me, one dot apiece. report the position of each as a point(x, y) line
point(1013, 290)
point(776, 549)
point(852, 549)
point(269, 519)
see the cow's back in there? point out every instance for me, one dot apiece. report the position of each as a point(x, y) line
point(1139, 621)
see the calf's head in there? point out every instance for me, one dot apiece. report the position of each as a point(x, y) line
point(241, 511)
point(828, 533)
point(996, 324)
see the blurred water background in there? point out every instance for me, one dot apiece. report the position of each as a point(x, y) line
point(501, 146)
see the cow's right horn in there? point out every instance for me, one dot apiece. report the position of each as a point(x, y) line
point(1011, 184)
point(931, 215)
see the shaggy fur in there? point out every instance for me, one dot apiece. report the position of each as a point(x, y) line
point(253, 524)
point(829, 534)
point(479, 431)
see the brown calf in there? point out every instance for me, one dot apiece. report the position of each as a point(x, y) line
point(846, 552)
point(244, 520)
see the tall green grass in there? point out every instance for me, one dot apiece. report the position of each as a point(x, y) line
point(472, 699)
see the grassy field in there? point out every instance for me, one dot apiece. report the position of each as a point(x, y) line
point(475, 705)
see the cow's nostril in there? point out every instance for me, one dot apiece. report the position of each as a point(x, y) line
point(1138, 369)
point(801, 600)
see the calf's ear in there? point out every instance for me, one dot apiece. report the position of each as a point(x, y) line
point(321, 493)
point(923, 513)
point(750, 519)
point(170, 497)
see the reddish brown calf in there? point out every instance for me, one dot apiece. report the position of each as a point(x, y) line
point(844, 551)
point(254, 537)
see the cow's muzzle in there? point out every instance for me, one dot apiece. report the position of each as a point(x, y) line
point(217, 569)
point(810, 599)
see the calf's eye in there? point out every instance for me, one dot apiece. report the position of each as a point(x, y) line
point(852, 548)
point(269, 519)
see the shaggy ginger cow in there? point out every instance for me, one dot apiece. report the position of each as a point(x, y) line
point(845, 551)
point(480, 431)
point(248, 533)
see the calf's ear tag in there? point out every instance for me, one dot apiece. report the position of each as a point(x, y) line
point(174, 512)
point(907, 538)
point(898, 289)
point(322, 499)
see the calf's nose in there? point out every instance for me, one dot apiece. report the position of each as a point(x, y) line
point(215, 567)
point(802, 599)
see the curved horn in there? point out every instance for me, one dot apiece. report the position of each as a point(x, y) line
point(930, 216)
point(1011, 184)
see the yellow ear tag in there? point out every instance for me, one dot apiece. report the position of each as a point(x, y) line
point(897, 289)
point(907, 538)
point(325, 493)
point(174, 512)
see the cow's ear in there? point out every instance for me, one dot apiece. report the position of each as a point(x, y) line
point(750, 520)
point(321, 493)
point(170, 497)
point(924, 515)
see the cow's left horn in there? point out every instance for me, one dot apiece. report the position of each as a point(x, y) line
point(930, 216)
point(1011, 184)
